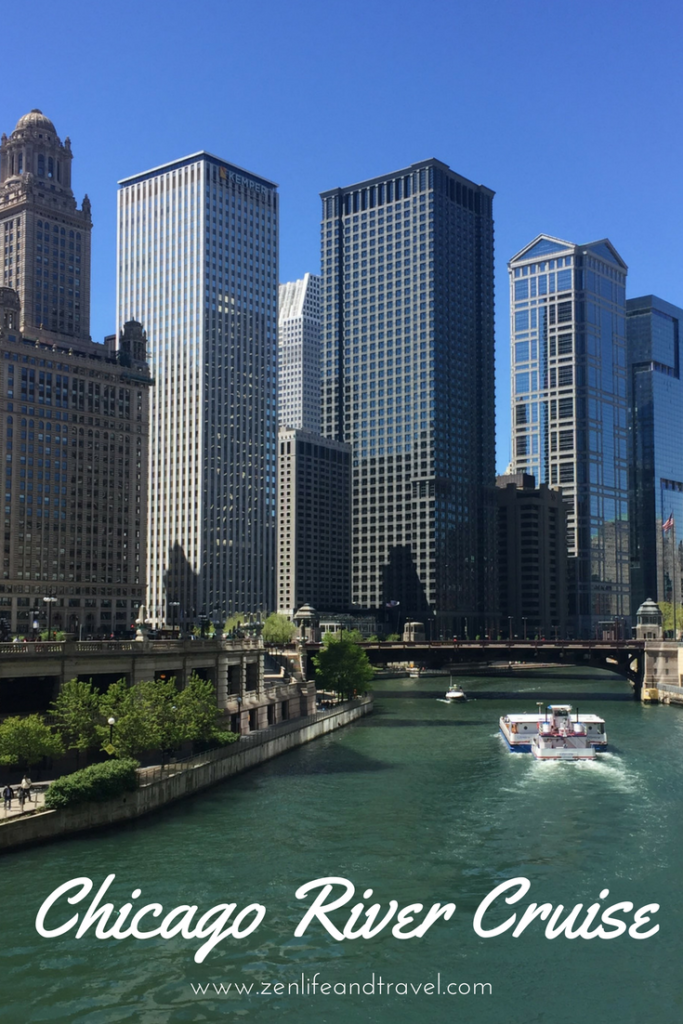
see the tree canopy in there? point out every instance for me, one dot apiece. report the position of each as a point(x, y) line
point(27, 740)
point(667, 610)
point(76, 711)
point(354, 636)
point(343, 666)
point(277, 629)
point(155, 715)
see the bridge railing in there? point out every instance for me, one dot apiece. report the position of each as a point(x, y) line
point(69, 647)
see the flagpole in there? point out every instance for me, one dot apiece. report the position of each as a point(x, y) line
point(673, 566)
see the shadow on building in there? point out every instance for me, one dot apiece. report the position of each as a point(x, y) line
point(401, 582)
point(180, 591)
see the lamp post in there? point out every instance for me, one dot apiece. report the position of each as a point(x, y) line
point(509, 627)
point(111, 722)
point(524, 621)
point(49, 601)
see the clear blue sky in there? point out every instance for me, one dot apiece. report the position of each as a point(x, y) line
point(570, 111)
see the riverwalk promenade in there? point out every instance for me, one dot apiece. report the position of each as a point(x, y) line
point(163, 784)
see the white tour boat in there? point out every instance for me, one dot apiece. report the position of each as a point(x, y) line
point(560, 738)
point(518, 731)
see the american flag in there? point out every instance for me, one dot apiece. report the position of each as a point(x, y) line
point(668, 525)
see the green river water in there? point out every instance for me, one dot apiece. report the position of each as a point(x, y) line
point(422, 803)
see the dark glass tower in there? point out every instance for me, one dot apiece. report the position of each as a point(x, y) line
point(569, 411)
point(656, 463)
point(408, 380)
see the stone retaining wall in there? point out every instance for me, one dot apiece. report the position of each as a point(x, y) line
point(217, 766)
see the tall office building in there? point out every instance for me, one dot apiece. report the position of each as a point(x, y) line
point(299, 351)
point(569, 409)
point(314, 522)
point(197, 258)
point(73, 414)
point(46, 237)
point(532, 558)
point(653, 329)
point(408, 381)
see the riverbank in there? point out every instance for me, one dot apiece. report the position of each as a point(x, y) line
point(160, 787)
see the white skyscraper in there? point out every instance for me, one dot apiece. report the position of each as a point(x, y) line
point(299, 351)
point(198, 264)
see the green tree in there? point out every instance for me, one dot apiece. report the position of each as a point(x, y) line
point(667, 610)
point(354, 636)
point(26, 741)
point(196, 710)
point(142, 719)
point(277, 629)
point(77, 713)
point(233, 622)
point(393, 637)
point(154, 715)
point(343, 666)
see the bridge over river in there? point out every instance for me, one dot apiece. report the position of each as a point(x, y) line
point(645, 663)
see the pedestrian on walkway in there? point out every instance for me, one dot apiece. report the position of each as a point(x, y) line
point(7, 796)
point(26, 788)
point(22, 797)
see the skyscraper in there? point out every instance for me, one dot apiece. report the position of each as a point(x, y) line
point(73, 414)
point(408, 380)
point(197, 258)
point(314, 522)
point(653, 329)
point(51, 272)
point(299, 337)
point(569, 409)
point(532, 558)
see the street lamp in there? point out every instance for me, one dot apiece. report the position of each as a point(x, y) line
point(173, 605)
point(509, 627)
point(524, 621)
point(111, 722)
point(49, 601)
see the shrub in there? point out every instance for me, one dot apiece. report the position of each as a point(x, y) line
point(98, 782)
point(218, 738)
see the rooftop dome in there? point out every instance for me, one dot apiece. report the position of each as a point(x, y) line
point(35, 119)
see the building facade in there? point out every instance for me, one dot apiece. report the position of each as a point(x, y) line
point(532, 558)
point(198, 259)
point(569, 410)
point(299, 352)
point(314, 522)
point(656, 465)
point(408, 381)
point(46, 237)
point(75, 430)
point(74, 420)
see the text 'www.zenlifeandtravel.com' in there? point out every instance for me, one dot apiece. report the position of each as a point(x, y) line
point(314, 986)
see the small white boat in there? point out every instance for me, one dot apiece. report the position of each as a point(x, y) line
point(561, 739)
point(454, 692)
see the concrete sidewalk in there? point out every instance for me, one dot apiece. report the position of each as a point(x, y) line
point(36, 803)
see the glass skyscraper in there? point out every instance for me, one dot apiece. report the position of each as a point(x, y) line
point(656, 464)
point(569, 410)
point(197, 263)
point(408, 381)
